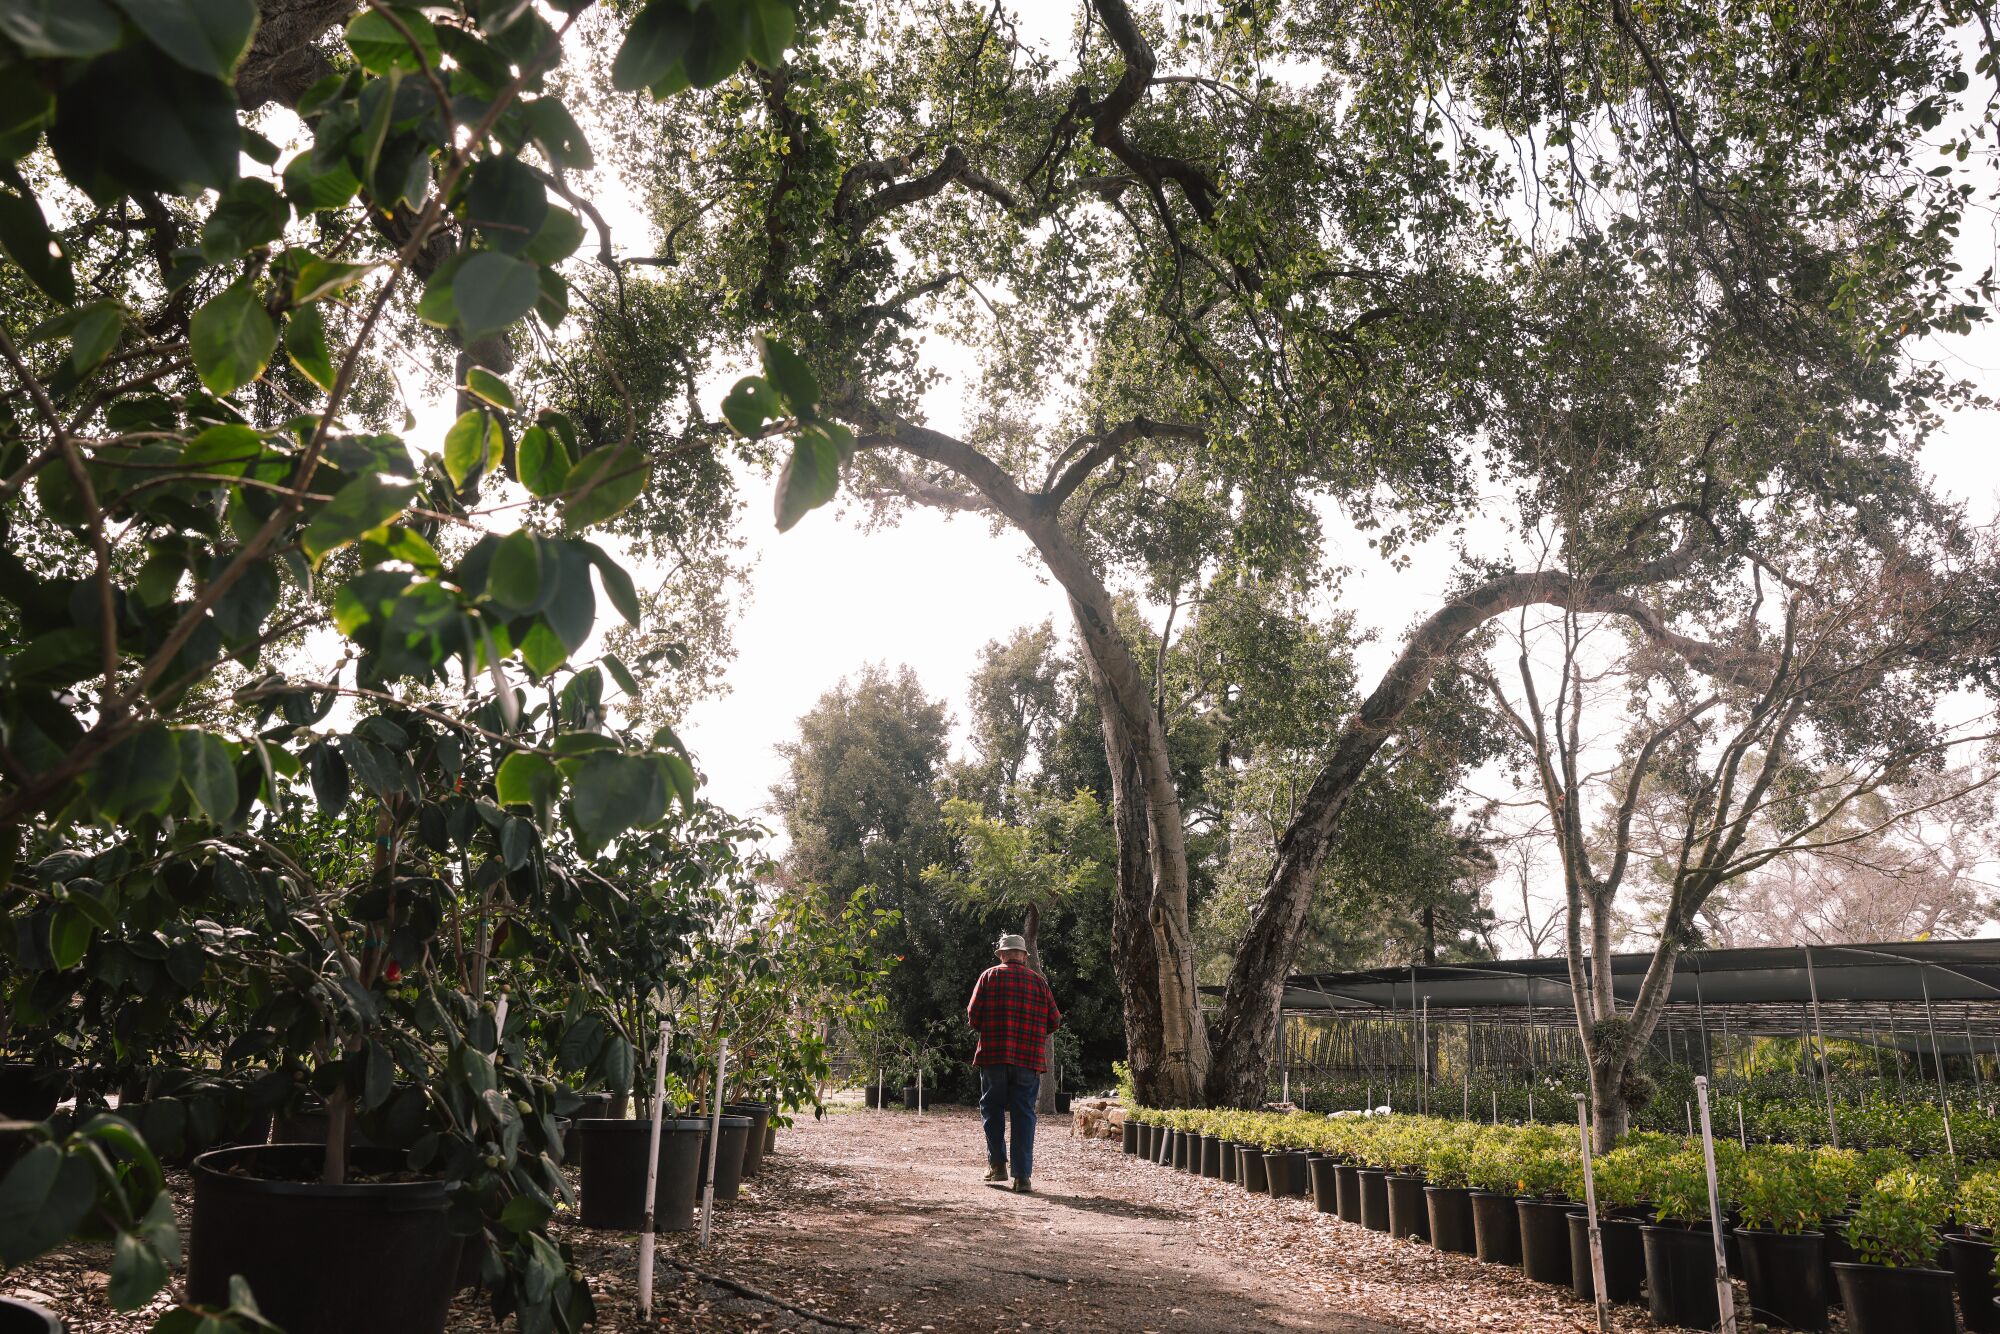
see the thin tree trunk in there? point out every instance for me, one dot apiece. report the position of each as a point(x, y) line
point(1031, 931)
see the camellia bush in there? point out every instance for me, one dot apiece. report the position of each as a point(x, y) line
point(301, 765)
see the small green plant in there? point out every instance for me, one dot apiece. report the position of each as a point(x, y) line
point(1622, 1177)
point(1777, 1193)
point(1896, 1220)
point(1678, 1183)
point(1979, 1200)
point(1128, 1091)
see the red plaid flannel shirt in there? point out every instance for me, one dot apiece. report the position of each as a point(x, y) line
point(1014, 1012)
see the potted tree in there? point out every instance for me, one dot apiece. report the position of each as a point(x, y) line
point(1782, 1202)
point(1893, 1283)
point(1621, 1177)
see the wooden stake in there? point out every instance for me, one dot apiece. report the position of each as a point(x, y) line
point(1590, 1209)
point(646, 1238)
point(1725, 1295)
point(714, 1141)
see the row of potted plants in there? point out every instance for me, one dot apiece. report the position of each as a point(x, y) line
point(1774, 1107)
point(1892, 1239)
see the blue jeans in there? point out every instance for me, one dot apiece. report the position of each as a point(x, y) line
point(1008, 1092)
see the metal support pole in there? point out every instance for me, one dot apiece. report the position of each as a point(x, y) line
point(1972, 1055)
point(1742, 1140)
point(1496, 1107)
point(714, 1140)
point(1819, 1038)
point(1725, 1293)
point(646, 1237)
point(1465, 1078)
point(1895, 1050)
point(920, 1086)
point(1701, 1016)
point(1424, 1039)
point(1944, 1101)
point(1590, 1210)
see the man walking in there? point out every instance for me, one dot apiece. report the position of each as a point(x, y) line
point(1013, 1011)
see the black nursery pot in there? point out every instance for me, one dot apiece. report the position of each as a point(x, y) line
point(728, 1155)
point(1285, 1173)
point(1374, 1199)
point(1624, 1258)
point(1545, 1239)
point(29, 1092)
point(1450, 1209)
point(1211, 1155)
point(1347, 1192)
point(1680, 1275)
point(19, 1317)
point(913, 1100)
point(1882, 1299)
point(1836, 1251)
point(1128, 1137)
point(1320, 1175)
point(1972, 1263)
point(1786, 1275)
point(1062, 1103)
point(1255, 1179)
point(1496, 1228)
point(753, 1144)
point(614, 1173)
point(322, 1259)
point(1409, 1217)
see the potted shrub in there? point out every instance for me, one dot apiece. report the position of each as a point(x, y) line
point(1542, 1173)
point(1496, 1223)
point(1680, 1243)
point(1972, 1251)
point(1784, 1259)
point(1621, 1178)
point(1447, 1197)
point(1892, 1284)
point(1285, 1158)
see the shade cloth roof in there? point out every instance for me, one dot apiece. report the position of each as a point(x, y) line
point(1958, 971)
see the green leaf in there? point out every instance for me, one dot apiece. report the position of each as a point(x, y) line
point(98, 327)
point(542, 649)
point(25, 236)
point(227, 449)
point(602, 484)
point(613, 792)
point(325, 277)
point(655, 42)
point(515, 577)
point(305, 345)
point(252, 214)
point(810, 478)
point(506, 203)
point(208, 769)
point(750, 404)
point(44, 1197)
point(129, 120)
point(617, 584)
point(136, 777)
point(69, 937)
point(792, 378)
point(524, 1213)
point(772, 26)
point(473, 446)
point(137, 1273)
point(541, 463)
point(484, 384)
point(51, 29)
point(232, 338)
point(621, 674)
point(380, 47)
point(207, 36)
point(490, 291)
point(362, 505)
point(530, 780)
point(561, 233)
point(551, 296)
point(331, 782)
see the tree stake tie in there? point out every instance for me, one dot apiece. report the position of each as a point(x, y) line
point(646, 1238)
point(714, 1139)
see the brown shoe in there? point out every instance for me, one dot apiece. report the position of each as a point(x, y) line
point(997, 1172)
point(1021, 1186)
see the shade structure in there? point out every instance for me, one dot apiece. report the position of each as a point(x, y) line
point(1861, 987)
